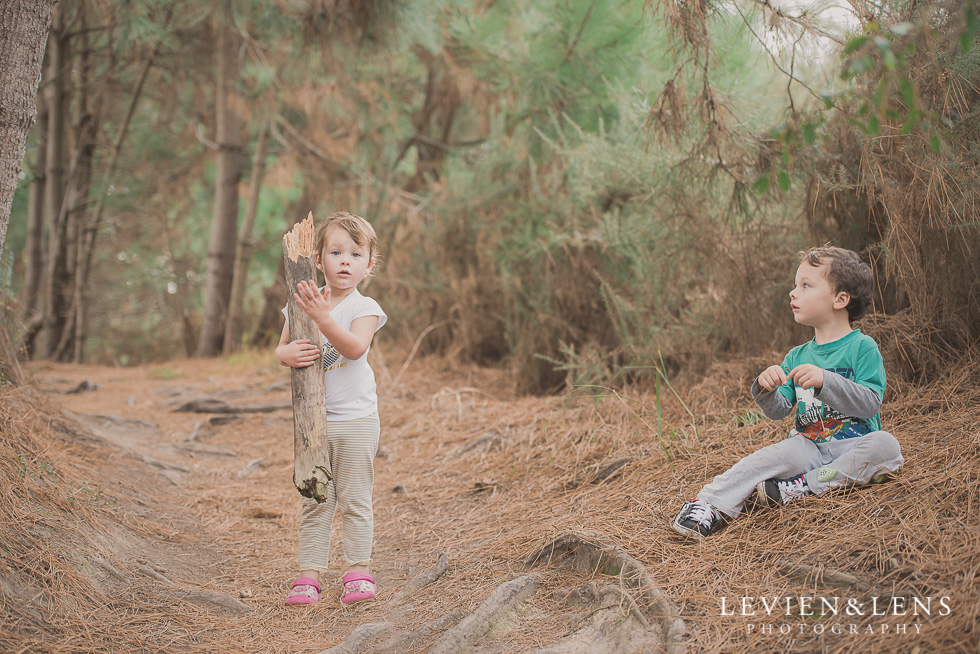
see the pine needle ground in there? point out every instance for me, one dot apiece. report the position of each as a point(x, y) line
point(101, 545)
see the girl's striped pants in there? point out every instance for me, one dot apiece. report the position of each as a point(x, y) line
point(352, 445)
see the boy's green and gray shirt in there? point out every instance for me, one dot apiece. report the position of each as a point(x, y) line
point(848, 403)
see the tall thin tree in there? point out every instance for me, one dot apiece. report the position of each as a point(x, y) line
point(224, 222)
point(34, 252)
point(24, 28)
point(243, 253)
point(56, 288)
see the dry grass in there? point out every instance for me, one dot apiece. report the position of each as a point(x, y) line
point(488, 507)
point(69, 519)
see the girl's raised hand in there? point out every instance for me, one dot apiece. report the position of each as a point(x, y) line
point(315, 303)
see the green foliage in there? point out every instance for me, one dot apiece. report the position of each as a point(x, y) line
point(143, 25)
point(902, 130)
point(969, 34)
point(564, 241)
point(506, 154)
point(92, 494)
point(748, 417)
point(40, 470)
point(883, 60)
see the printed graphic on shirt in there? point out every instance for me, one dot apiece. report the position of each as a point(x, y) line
point(819, 422)
point(330, 356)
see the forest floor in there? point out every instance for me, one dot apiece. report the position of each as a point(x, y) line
point(503, 523)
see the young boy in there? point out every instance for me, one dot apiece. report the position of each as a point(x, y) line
point(835, 382)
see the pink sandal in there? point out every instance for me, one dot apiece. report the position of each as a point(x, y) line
point(304, 591)
point(358, 587)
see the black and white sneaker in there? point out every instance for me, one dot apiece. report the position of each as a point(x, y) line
point(696, 518)
point(776, 492)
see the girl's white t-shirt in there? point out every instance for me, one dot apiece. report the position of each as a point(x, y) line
point(350, 386)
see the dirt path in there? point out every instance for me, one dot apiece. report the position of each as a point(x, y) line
point(211, 446)
point(503, 524)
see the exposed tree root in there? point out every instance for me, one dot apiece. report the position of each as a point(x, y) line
point(595, 555)
point(497, 614)
point(423, 579)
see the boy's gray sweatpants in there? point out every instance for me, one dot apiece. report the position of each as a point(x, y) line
point(824, 465)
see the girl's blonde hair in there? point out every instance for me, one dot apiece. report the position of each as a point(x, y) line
point(359, 230)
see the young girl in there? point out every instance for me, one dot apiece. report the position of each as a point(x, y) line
point(346, 251)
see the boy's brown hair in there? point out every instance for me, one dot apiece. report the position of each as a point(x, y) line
point(845, 272)
point(356, 227)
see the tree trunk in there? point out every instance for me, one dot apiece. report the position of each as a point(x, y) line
point(179, 303)
point(88, 127)
point(442, 99)
point(311, 470)
point(74, 210)
point(24, 28)
point(34, 250)
point(56, 268)
point(224, 224)
point(243, 253)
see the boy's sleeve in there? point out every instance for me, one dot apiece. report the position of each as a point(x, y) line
point(850, 398)
point(773, 403)
point(861, 397)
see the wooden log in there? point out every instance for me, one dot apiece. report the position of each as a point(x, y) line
point(311, 470)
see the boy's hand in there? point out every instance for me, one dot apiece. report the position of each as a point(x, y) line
point(772, 378)
point(298, 354)
point(807, 375)
point(315, 303)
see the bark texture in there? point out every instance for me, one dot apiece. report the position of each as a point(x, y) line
point(311, 471)
point(24, 28)
point(234, 326)
point(56, 278)
point(34, 251)
point(224, 225)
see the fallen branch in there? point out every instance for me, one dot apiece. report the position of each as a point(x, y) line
point(311, 468)
point(423, 579)
point(211, 405)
